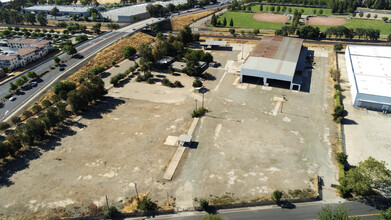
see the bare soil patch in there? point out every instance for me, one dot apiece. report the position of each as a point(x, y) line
point(325, 21)
point(270, 17)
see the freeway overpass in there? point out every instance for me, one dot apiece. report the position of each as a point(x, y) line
point(88, 49)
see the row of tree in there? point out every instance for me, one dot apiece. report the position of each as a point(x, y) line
point(66, 94)
point(217, 23)
point(345, 6)
point(14, 17)
point(310, 32)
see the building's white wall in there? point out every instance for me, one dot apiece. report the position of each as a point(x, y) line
point(373, 98)
point(268, 75)
point(352, 81)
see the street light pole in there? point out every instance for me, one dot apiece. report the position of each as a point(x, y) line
point(196, 104)
point(203, 94)
point(135, 187)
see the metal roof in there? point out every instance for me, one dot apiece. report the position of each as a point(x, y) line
point(61, 8)
point(185, 138)
point(277, 55)
point(210, 42)
point(371, 69)
point(137, 9)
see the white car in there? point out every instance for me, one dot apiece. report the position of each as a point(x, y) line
point(12, 98)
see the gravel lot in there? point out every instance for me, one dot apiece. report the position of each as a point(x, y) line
point(246, 145)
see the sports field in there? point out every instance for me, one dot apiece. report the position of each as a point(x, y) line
point(246, 20)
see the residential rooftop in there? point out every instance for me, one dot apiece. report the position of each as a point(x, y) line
point(7, 57)
point(25, 50)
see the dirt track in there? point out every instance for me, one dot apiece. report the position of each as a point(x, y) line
point(325, 21)
point(270, 17)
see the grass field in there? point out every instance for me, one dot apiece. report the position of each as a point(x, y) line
point(385, 28)
point(307, 11)
point(245, 20)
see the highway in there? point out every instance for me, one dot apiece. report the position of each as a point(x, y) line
point(302, 211)
point(88, 49)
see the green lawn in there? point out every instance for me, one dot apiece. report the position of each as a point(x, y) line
point(385, 28)
point(307, 11)
point(245, 20)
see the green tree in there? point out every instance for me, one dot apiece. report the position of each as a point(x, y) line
point(385, 214)
point(197, 83)
point(13, 87)
point(385, 19)
point(232, 31)
point(224, 22)
point(231, 23)
point(389, 38)
point(70, 49)
point(338, 47)
point(111, 212)
point(320, 11)
point(46, 103)
point(339, 213)
point(213, 21)
point(31, 75)
point(56, 59)
point(146, 205)
point(96, 28)
point(41, 18)
point(276, 196)
point(81, 38)
point(30, 18)
point(341, 157)
point(204, 204)
point(54, 12)
point(129, 51)
point(361, 14)
point(368, 15)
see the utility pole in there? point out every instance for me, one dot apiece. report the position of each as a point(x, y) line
point(135, 187)
point(107, 202)
point(242, 49)
point(196, 104)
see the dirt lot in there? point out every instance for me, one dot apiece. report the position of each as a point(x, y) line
point(270, 17)
point(244, 146)
point(366, 131)
point(325, 21)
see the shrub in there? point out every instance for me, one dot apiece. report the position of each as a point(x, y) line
point(341, 157)
point(55, 98)
point(110, 212)
point(150, 81)
point(8, 96)
point(276, 196)
point(197, 83)
point(204, 204)
point(178, 84)
point(46, 103)
point(15, 120)
point(338, 113)
point(115, 79)
point(4, 125)
point(36, 109)
point(338, 47)
point(199, 112)
point(337, 87)
point(146, 205)
point(27, 114)
point(207, 76)
point(97, 70)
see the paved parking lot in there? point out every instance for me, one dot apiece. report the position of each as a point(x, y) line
point(367, 132)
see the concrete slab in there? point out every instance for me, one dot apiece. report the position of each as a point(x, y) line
point(174, 163)
point(171, 140)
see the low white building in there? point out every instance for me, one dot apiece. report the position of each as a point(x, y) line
point(369, 72)
point(78, 10)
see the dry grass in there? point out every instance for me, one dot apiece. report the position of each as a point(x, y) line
point(106, 56)
point(180, 22)
point(231, 40)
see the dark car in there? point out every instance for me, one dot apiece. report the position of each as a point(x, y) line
point(78, 56)
point(62, 68)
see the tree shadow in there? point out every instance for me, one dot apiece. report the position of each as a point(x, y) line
point(211, 210)
point(346, 121)
point(123, 83)
point(287, 205)
point(105, 106)
point(377, 201)
point(22, 160)
point(104, 75)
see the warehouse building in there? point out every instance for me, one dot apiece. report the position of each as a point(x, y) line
point(369, 72)
point(78, 10)
point(134, 13)
point(274, 60)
